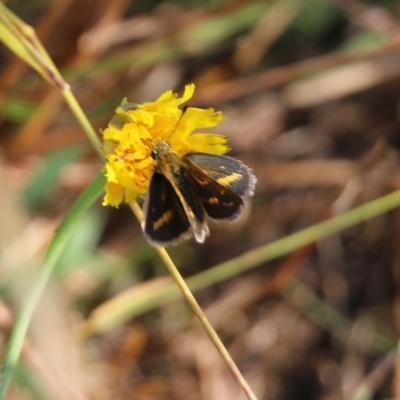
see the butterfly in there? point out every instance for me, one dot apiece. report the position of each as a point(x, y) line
point(184, 190)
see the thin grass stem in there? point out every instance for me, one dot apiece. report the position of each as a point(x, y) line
point(199, 313)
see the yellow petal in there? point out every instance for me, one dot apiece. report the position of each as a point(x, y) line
point(209, 143)
point(114, 195)
point(165, 97)
point(144, 163)
point(196, 118)
point(187, 94)
point(143, 116)
point(110, 173)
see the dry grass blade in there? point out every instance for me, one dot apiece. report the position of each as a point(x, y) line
point(21, 40)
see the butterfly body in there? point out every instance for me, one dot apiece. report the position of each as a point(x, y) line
point(184, 189)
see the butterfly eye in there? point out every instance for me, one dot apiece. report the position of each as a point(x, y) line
point(153, 155)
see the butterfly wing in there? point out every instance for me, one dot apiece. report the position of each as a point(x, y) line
point(184, 185)
point(219, 200)
point(227, 171)
point(180, 196)
point(165, 220)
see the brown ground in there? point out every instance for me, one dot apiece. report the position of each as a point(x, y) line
point(310, 91)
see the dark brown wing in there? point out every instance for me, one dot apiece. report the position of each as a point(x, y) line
point(227, 171)
point(182, 181)
point(165, 221)
point(219, 201)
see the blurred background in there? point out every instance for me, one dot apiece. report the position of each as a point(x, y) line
point(310, 90)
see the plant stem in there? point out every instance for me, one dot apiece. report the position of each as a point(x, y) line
point(199, 313)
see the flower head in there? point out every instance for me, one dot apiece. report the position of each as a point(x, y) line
point(130, 134)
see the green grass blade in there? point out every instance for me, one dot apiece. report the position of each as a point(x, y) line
point(134, 302)
point(57, 245)
point(45, 178)
point(83, 121)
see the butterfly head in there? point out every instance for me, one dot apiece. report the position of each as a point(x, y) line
point(165, 157)
point(158, 148)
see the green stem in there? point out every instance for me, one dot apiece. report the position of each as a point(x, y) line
point(22, 40)
point(60, 240)
point(294, 241)
point(83, 121)
point(118, 310)
point(200, 314)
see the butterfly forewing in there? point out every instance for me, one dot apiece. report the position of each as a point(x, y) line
point(219, 201)
point(184, 184)
point(165, 220)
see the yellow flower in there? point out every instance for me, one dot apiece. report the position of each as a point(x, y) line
point(131, 132)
